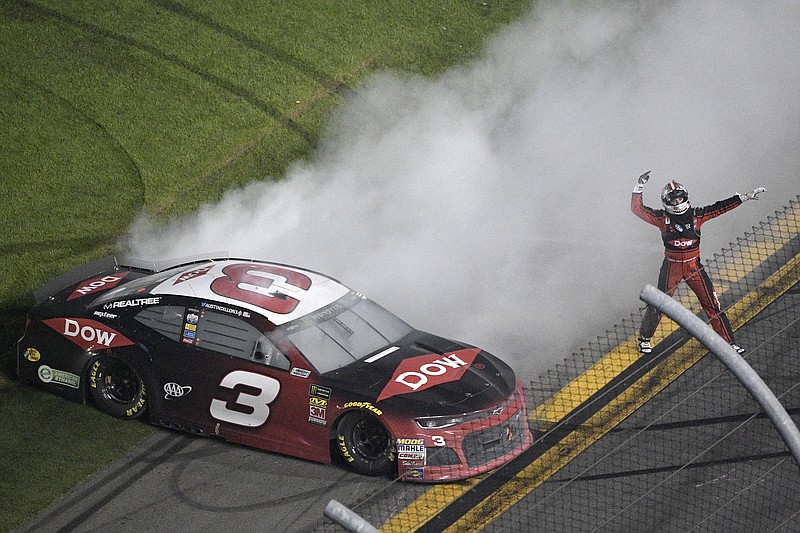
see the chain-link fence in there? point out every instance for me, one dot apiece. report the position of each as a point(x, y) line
point(668, 441)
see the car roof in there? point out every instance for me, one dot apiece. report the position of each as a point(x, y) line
point(279, 292)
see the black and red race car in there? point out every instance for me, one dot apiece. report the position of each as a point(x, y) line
point(276, 357)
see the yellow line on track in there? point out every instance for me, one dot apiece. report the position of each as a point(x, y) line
point(428, 505)
point(579, 439)
point(603, 371)
point(621, 406)
point(556, 408)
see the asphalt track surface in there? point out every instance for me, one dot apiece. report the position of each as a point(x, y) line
point(179, 482)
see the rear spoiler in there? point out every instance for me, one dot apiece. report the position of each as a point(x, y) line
point(158, 266)
point(111, 262)
point(72, 277)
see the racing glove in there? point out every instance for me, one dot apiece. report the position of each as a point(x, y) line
point(752, 195)
point(640, 182)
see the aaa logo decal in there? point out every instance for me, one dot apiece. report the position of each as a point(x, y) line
point(88, 334)
point(426, 371)
point(174, 390)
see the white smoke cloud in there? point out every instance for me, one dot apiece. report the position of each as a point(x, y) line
point(491, 204)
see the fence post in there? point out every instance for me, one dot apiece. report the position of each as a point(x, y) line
point(347, 518)
point(735, 363)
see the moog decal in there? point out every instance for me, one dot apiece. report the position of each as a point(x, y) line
point(426, 371)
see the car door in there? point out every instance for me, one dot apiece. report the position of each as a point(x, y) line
point(227, 377)
point(182, 373)
point(259, 402)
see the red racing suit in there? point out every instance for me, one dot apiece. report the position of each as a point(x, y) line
point(681, 236)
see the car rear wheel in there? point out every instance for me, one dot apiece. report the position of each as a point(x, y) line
point(365, 445)
point(117, 388)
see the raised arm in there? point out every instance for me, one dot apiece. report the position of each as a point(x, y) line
point(637, 203)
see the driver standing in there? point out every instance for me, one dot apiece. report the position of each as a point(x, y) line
point(680, 223)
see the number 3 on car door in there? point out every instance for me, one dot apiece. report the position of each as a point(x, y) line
point(259, 403)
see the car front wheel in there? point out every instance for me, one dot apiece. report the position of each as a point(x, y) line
point(117, 388)
point(364, 444)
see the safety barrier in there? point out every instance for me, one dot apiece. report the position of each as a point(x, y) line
point(669, 441)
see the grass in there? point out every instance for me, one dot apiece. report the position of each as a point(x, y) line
point(115, 108)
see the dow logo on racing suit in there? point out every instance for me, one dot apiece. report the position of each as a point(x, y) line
point(426, 371)
point(684, 243)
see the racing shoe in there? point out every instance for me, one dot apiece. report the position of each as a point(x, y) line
point(738, 348)
point(644, 345)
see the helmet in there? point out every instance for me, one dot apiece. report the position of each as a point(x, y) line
point(675, 198)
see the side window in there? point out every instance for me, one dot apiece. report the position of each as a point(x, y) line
point(165, 319)
point(270, 355)
point(226, 334)
point(232, 336)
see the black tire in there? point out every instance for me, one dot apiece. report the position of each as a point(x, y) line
point(364, 444)
point(117, 388)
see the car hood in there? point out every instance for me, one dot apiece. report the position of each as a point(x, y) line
point(428, 375)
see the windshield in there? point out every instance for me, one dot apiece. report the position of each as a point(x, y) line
point(346, 331)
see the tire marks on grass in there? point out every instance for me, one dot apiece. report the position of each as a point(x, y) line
point(114, 141)
point(331, 84)
point(224, 84)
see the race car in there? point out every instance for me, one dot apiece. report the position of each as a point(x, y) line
point(276, 357)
